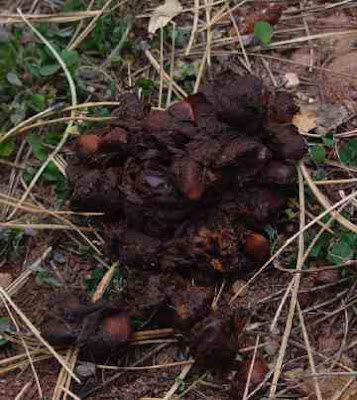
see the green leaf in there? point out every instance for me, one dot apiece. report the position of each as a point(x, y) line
point(328, 140)
point(53, 137)
point(70, 57)
point(49, 69)
point(318, 153)
point(37, 101)
point(344, 249)
point(52, 173)
point(73, 5)
point(13, 79)
point(263, 31)
point(321, 245)
point(348, 153)
point(45, 278)
point(146, 85)
point(36, 143)
point(7, 147)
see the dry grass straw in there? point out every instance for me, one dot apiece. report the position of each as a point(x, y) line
point(175, 87)
point(8, 18)
point(294, 293)
point(185, 370)
point(250, 371)
point(324, 202)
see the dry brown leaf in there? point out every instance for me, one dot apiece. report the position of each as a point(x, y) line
point(306, 120)
point(163, 14)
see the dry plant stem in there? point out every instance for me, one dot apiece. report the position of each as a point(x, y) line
point(175, 87)
point(239, 37)
point(292, 239)
point(23, 391)
point(192, 386)
point(153, 334)
point(200, 72)
point(16, 128)
point(335, 182)
point(116, 49)
point(68, 392)
point(194, 27)
point(294, 292)
point(145, 368)
point(172, 64)
point(208, 33)
point(73, 359)
point(250, 372)
point(61, 376)
point(60, 120)
point(6, 18)
point(32, 208)
point(161, 66)
point(35, 331)
point(281, 305)
point(275, 45)
point(324, 202)
point(69, 126)
point(309, 353)
point(46, 227)
point(22, 364)
point(312, 216)
point(21, 280)
point(21, 356)
point(104, 283)
point(34, 372)
point(271, 75)
point(179, 379)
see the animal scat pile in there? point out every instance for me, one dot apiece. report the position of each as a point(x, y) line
point(190, 188)
point(186, 193)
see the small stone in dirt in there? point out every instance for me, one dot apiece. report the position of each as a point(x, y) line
point(86, 369)
point(291, 80)
point(5, 279)
point(59, 257)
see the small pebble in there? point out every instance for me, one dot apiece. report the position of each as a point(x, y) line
point(291, 80)
point(59, 257)
point(86, 369)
